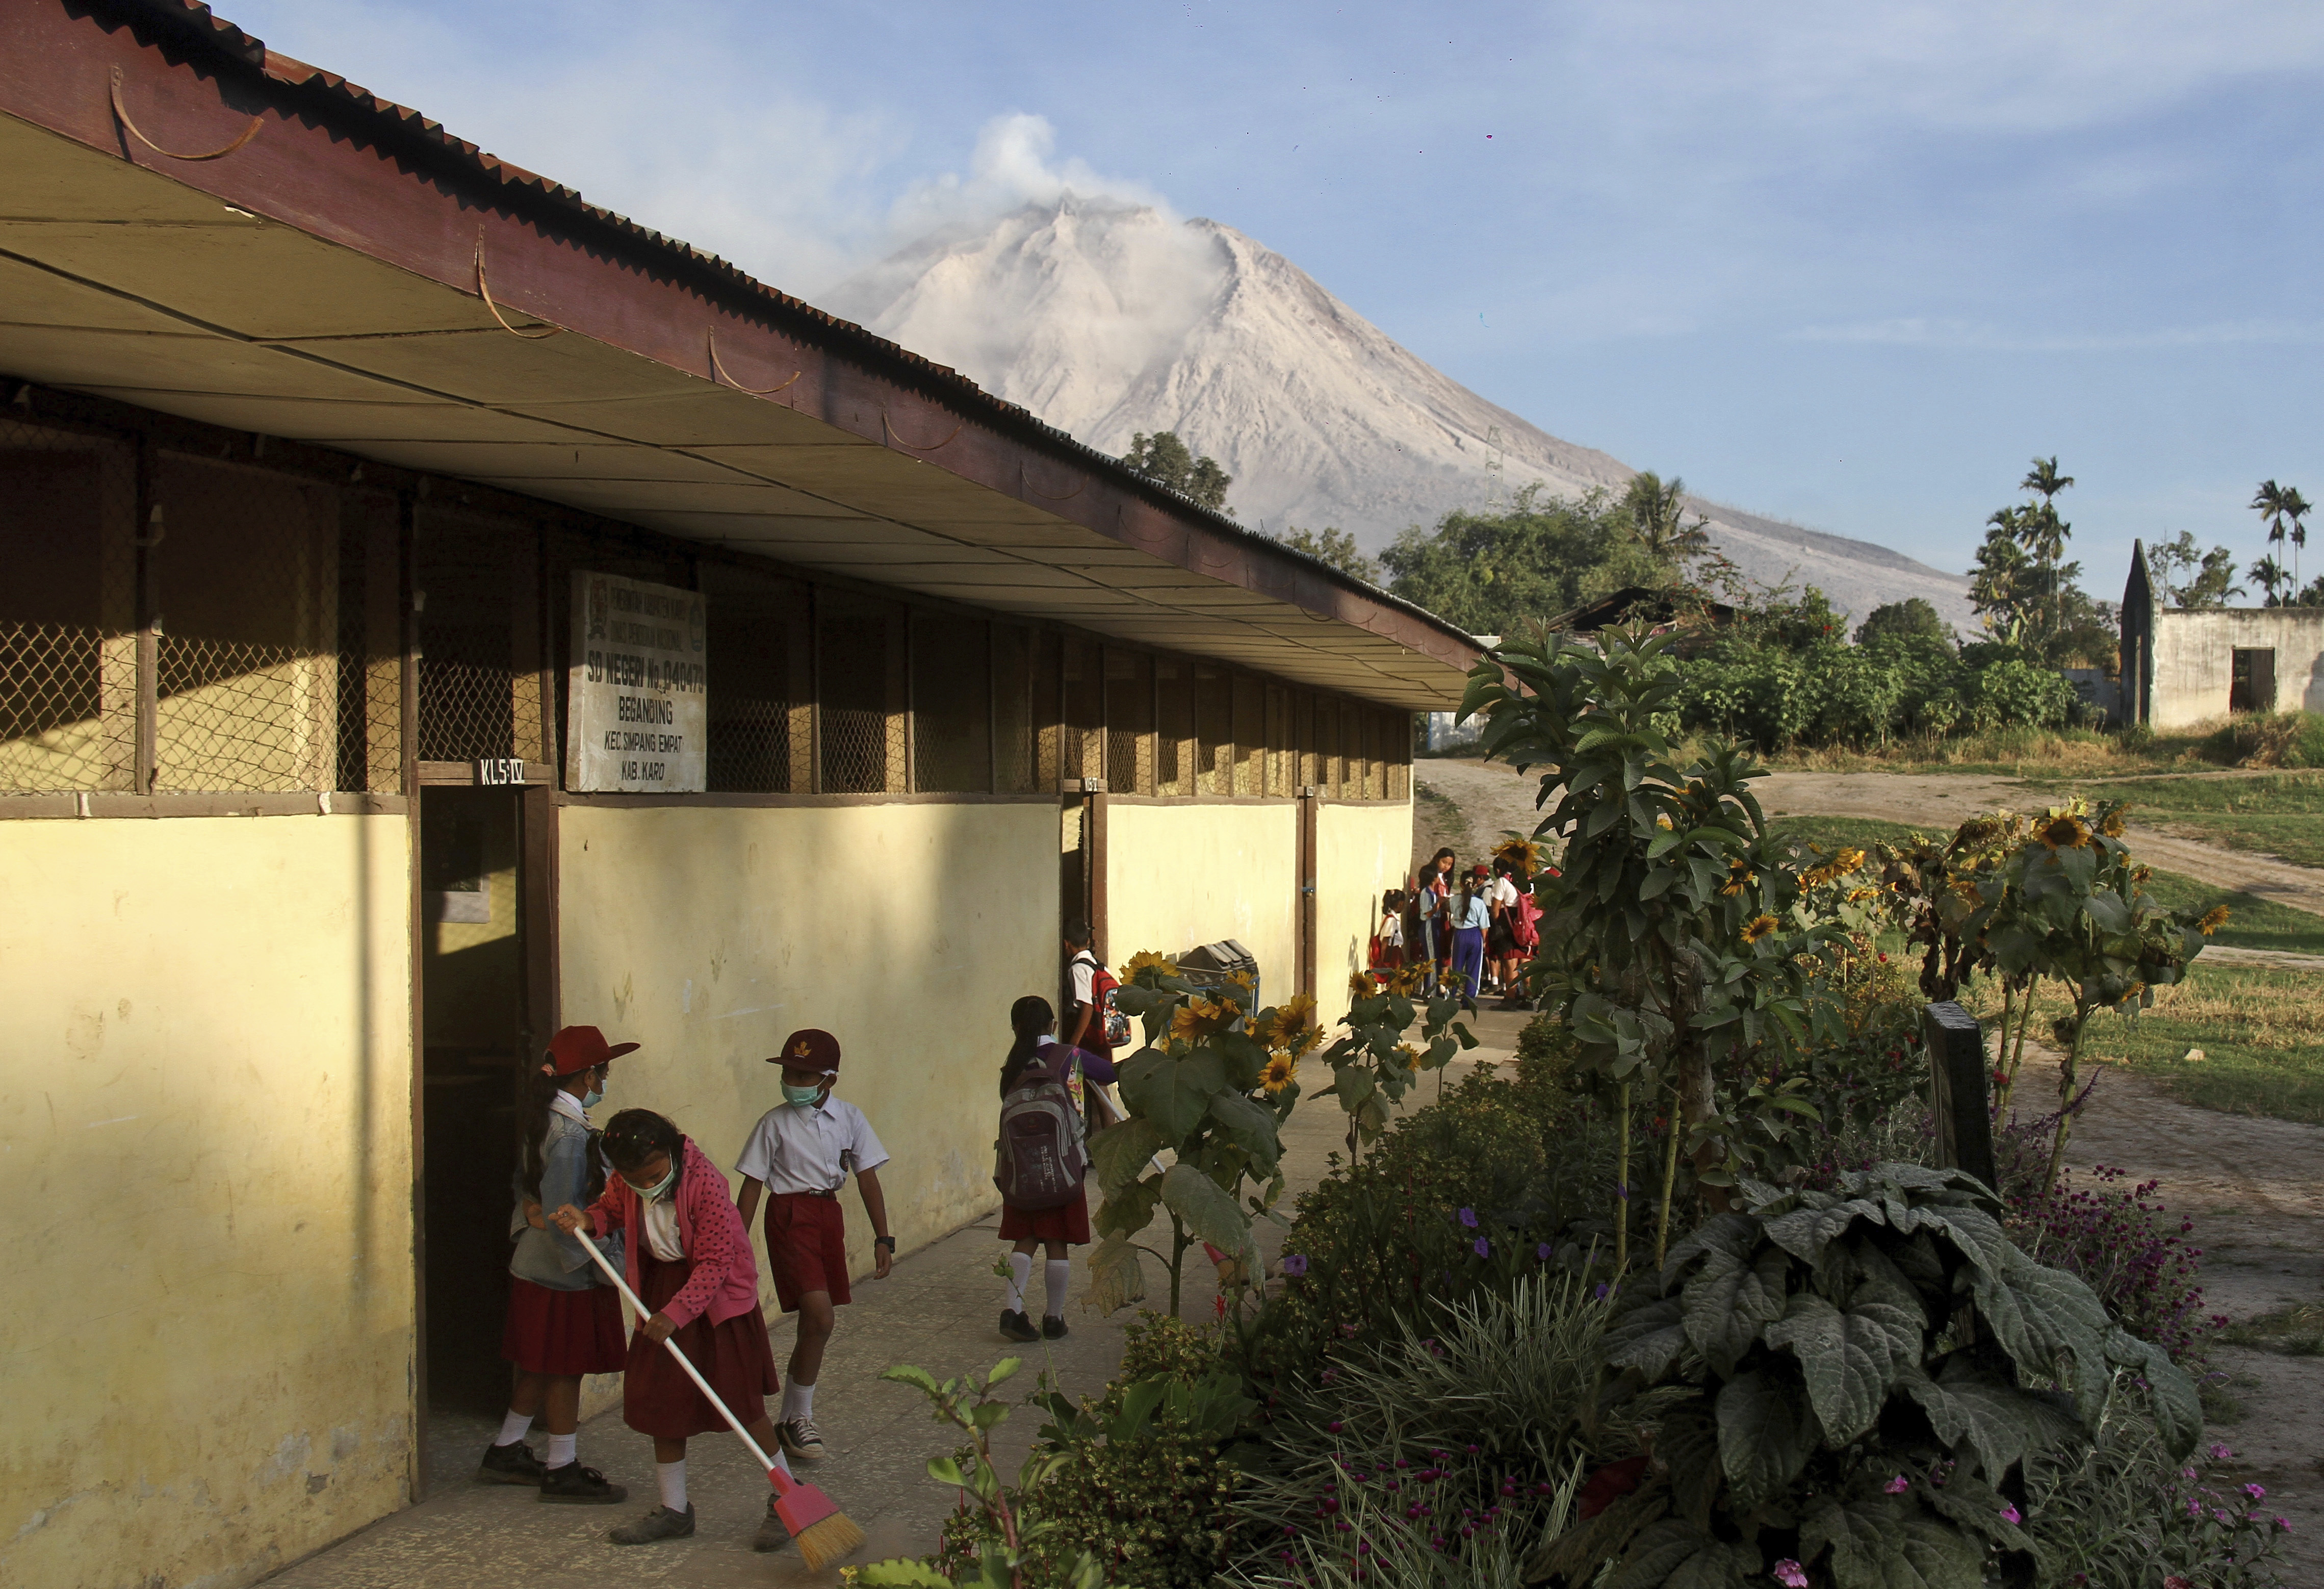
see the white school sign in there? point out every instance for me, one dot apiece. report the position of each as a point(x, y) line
point(637, 703)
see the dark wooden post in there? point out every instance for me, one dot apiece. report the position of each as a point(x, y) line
point(1957, 1090)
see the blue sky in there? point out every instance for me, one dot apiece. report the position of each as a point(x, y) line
point(1850, 263)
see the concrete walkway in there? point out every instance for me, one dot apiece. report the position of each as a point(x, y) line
point(938, 1309)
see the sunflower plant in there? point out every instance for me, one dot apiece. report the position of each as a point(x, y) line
point(1206, 1096)
point(1374, 1060)
point(1669, 941)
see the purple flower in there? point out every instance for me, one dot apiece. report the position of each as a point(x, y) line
point(1542, 1251)
point(2220, 1453)
point(1791, 1575)
point(1334, 1427)
point(1599, 1294)
point(1468, 1217)
point(2283, 1524)
point(2009, 1515)
point(1897, 1485)
point(2256, 1492)
point(1483, 1248)
point(1295, 1264)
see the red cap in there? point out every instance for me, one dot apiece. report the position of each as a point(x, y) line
point(809, 1048)
point(577, 1049)
point(1480, 870)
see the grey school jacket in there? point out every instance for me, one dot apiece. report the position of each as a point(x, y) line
point(549, 1258)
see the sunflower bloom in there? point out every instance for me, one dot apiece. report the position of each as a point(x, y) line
point(1757, 927)
point(1146, 959)
point(1857, 896)
point(1848, 860)
point(2213, 919)
point(1740, 876)
point(1193, 1019)
point(1411, 1056)
point(1279, 1074)
point(2113, 825)
point(2064, 831)
point(1360, 985)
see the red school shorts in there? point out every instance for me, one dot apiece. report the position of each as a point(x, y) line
point(806, 1247)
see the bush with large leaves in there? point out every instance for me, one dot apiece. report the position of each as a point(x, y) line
point(1853, 1380)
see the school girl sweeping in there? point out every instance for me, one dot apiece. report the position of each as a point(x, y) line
point(1042, 1160)
point(802, 1151)
point(688, 1259)
point(563, 1320)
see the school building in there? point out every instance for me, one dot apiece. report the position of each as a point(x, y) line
point(2183, 668)
point(437, 610)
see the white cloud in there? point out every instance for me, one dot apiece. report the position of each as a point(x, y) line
point(1014, 164)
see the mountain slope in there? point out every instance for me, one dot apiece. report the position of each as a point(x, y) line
point(1107, 319)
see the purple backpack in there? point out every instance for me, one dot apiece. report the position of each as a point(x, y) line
point(1040, 1159)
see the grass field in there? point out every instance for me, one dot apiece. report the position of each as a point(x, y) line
point(2260, 1034)
point(2274, 813)
point(2252, 924)
point(2006, 752)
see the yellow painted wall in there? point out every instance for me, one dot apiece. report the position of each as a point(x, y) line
point(204, 1131)
point(707, 935)
point(1182, 874)
point(1361, 851)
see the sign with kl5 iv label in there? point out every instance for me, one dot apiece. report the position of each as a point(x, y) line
point(637, 704)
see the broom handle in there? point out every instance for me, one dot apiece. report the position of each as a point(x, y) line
point(685, 1363)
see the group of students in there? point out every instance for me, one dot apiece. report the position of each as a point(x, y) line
point(658, 1208)
point(1469, 931)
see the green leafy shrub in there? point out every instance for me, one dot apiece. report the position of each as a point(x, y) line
point(1828, 693)
point(1495, 1165)
point(2122, 1513)
point(2280, 739)
point(1848, 1384)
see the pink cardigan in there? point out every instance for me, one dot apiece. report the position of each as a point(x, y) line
point(724, 1283)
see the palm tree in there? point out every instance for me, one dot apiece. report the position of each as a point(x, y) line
point(2270, 574)
point(2041, 531)
point(2272, 504)
point(2295, 508)
point(1658, 519)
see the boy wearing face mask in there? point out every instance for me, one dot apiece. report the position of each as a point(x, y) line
point(563, 1320)
point(801, 1150)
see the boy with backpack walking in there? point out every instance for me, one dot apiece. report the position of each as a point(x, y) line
point(1040, 1162)
point(1092, 1022)
point(802, 1151)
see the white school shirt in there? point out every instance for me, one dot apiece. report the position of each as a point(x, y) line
point(663, 1237)
point(795, 1150)
point(1084, 967)
point(1503, 893)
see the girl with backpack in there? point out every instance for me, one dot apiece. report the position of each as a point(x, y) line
point(1041, 1160)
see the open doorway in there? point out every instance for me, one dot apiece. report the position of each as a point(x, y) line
point(2250, 680)
point(475, 1034)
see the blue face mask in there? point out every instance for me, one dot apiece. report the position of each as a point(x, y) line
point(593, 1097)
point(803, 1098)
point(661, 1188)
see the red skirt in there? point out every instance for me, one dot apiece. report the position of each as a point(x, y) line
point(659, 1400)
point(563, 1333)
point(1067, 1222)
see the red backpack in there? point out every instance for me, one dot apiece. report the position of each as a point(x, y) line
point(1040, 1159)
point(1108, 1022)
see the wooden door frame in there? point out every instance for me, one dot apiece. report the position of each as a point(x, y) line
point(1304, 920)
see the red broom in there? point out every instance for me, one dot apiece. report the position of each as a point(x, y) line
point(823, 1533)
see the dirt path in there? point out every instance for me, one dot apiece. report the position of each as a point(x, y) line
point(2252, 1188)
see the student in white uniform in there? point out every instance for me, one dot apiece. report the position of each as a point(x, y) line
point(801, 1150)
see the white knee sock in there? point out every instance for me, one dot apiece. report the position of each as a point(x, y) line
point(671, 1477)
point(513, 1429)
point(560, 1449)
point(798, 1401)
point(1020, 1270)
point(1059, 1273)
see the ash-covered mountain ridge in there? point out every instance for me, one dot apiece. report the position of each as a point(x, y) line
point(1109, 319)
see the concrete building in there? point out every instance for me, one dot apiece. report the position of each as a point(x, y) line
point(2182, 668)
point(438, 610)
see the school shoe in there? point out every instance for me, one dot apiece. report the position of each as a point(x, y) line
point(575, 1486)
point(772, 1535)
point(660, 1523)
point(799, 1439)
point(1017, 1326)
point(1053, 1328)
point(508, 1465)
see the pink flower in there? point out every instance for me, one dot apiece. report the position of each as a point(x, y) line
point(2256, 1492)
point(1897, 1485)
point(1791, 1575)
point(2283, 1524)
point(2009, 1515)
point(2220, 1453)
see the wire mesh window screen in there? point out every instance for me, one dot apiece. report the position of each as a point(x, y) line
point(1351, 751)
point(1048, 694)
point(1084, 722)
point(68, 611)
point(1375, 775)
point(1399, 756)
point(1325, 738)
point(1013, 730)
point(1250, 735)
point(854, 646)
point(1173, 727)
point(246, 669)
point(371, 643)
point(1129, 722)
point(1282, 749)
point(952, 704)
point(758, 629)
point(465, 583)
point(1214, 730)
